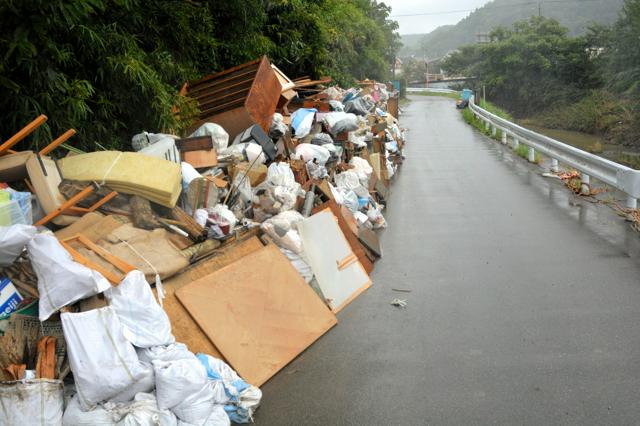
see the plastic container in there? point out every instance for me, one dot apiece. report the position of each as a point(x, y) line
point(11, 213)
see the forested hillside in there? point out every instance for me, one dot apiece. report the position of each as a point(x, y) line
point(111, 68)
point(589, 83)
point(576, 16)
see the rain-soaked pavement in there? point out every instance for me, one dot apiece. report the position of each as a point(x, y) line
point(524, 305)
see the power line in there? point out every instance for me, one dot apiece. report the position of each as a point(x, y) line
point(529, 3)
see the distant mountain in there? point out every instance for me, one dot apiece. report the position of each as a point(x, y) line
point(576, 15)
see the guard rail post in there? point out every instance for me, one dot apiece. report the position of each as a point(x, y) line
point(531, 155)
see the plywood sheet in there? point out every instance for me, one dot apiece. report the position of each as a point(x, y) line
point(183, 326)
point(259, 312)
point(326, 248)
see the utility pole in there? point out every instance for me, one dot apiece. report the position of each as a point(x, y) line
point(539, 8)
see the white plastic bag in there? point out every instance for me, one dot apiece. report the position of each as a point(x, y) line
point(307, 152)
point(283, 229)
point(243, 398)
point(176, 380)
point(142, 411)
point(299, 262)
point(218, 134)
point(302, 121)
point(198, 406)
point(145, 323)
point(13, 240)
point(61, 280)
point(218, 417)
point(363, 169)
point(146, 384)
point(102, 360)
point(172, 352)
point(31, 402)
point(347, 181)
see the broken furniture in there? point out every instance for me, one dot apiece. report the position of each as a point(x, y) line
point(237, 98)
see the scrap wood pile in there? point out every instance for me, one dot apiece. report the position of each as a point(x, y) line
point(166, 284)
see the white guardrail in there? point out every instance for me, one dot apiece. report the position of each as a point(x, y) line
point(616, 175)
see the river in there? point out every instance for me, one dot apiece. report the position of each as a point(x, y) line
point(591, 143)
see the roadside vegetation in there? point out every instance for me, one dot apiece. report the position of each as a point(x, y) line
point(110, 69)
point(438, 94)
point(535, 70)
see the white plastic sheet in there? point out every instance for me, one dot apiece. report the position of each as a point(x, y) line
point(102, 360)
point(145, 323)
point(218, 417)
point(176, 380)
point(13, 240)
point(31, 402)
point(61, 280)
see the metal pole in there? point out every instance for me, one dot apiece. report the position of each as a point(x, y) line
point(504, 137)
point(632, 203)
point(516, 142)
point(554, 165)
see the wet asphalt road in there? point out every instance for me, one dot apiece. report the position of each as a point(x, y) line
point(524, 305)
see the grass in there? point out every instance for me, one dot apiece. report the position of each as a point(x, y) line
point(522, 150)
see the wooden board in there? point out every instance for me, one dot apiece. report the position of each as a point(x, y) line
point(259, 312)
point(326, 248)
point(183, 326)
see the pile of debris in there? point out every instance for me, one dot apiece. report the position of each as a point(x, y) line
point(240, 241)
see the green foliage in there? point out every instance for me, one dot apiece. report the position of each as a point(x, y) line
point(111, 68)
point(529, 67)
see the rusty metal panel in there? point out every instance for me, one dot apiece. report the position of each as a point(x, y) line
point(237, 97)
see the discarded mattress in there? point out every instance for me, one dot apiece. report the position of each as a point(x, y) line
point(155, 179)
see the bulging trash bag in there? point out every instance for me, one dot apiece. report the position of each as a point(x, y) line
point(102, 360)
point(308, 152)
point(358, 106)
point(145, 323)
point(243, 398)
point(278, 127)
point(300, 263)
point(282, 228)
point(176, 380)
point(198, 406)
point(61, 280)
point(248, 151)
point(321, 139)
point(218, 417)
point(336, 105)
point(363, 169)
point(338, 122)
point(172, 352)
point(347, 181)
point(146, 384)
point(13, 240)
point(31, 402)
point(142, 411)
point(302, 121)
point(219, 136)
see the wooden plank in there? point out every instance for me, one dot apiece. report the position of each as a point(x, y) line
point(196, 143)
point(259, 312)
point(61, 139)
point(70, 202)
point(46, 362)
point(23, 133)
point(183, 326)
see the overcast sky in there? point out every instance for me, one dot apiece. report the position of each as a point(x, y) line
point(427, 23)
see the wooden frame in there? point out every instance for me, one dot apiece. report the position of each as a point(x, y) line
point(115, 261)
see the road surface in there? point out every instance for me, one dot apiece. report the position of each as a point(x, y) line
point(524, 305)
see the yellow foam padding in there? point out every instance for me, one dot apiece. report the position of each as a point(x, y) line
point(153, 178)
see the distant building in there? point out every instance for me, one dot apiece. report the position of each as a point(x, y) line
point(483, 38)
